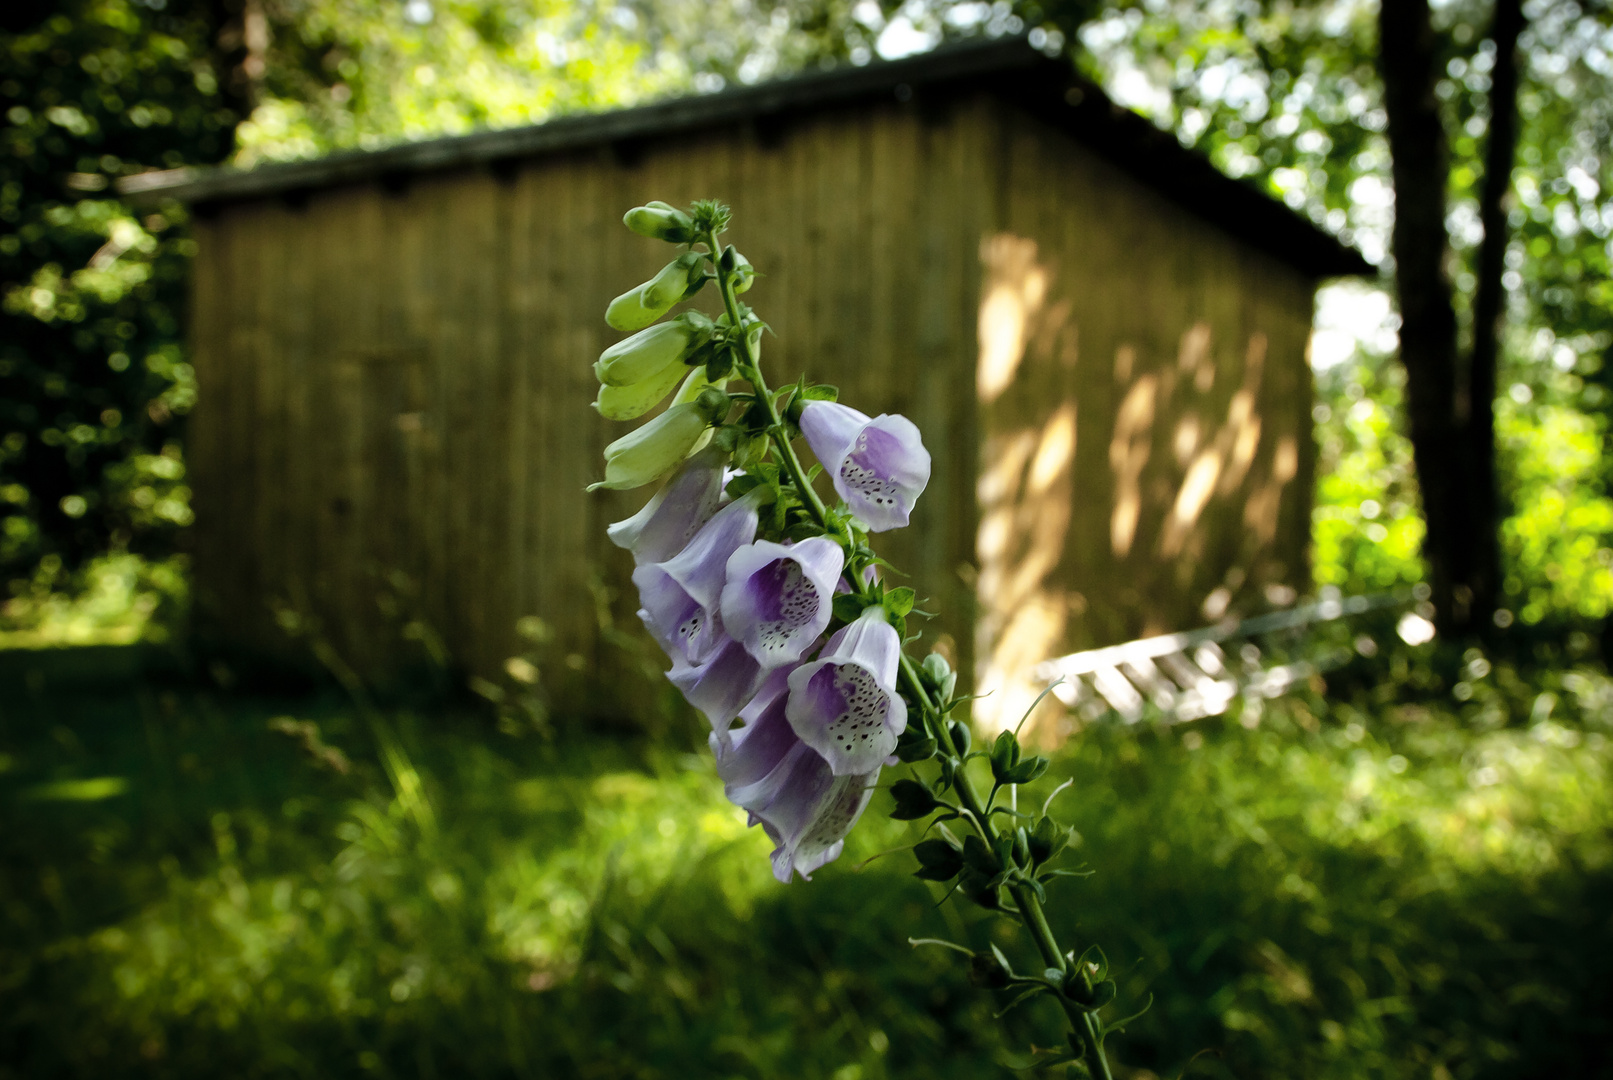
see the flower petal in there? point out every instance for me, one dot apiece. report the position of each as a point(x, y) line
point(844, 704)
point(635, 399)
point(675, 513)
point(646, 353)
point(787, 787)
point(778, 598)
point(653, 450)
point(681, 596)
point(721, 685)
point(878, 466)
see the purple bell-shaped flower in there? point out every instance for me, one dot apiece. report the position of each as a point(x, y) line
point(721, 685)
point(670, 519)
point(879, 466)
point(778, 598)
point(681, 597)
point(786, 786)
point(844, 704)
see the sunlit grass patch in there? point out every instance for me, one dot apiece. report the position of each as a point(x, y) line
point(1347, 888)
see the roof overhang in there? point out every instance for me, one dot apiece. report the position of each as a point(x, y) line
point(1045, 87)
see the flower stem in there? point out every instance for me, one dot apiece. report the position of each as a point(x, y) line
point(1030, 908)
point(750, 366)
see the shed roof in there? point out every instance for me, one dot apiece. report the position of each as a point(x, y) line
point(1010, 68)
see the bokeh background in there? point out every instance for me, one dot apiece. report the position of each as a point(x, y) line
point(1400, 871)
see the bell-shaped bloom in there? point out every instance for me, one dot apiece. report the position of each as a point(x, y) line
point(681, 597)
point(786, 786)
point(674, 514)
point(721, 685)
point(659, 221)
point(844, 704)
point(646, 353)
point(778, 598)
point(648, 453)
point(879, 466)
point(638, 308)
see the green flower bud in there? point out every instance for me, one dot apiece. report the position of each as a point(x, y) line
point(632, 402)
point(672, 283)
point(646, 353)
point(650, 452)
point(638, 308)
point(659, 221)
point(744, 274)
point(694, 384)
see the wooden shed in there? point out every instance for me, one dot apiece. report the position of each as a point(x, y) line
point(1102, 338)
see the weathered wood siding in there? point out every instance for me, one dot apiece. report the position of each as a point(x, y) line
point(395, 427)
point(1144, 408)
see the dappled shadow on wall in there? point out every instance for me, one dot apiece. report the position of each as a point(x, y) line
point(1129, 483)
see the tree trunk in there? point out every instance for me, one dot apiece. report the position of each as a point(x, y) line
point(1451, 418)
point(1421, 168)
point(1489, 307)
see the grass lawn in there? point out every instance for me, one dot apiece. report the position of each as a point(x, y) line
point(1389, 882)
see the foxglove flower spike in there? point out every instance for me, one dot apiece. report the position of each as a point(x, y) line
point(721, 685)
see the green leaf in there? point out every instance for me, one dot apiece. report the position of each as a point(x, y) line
point(913, 800)
point(899, 601)
point(1093, 963)
point(821, 392)
point(1004, 758)
point(847, 606)
point(1026, 771)
point(743, 484)
point(988, 971)
point(961, 736)
point(1123, 1021)
point(1102, 994)
point(938, 860)
point(913, 744)
point(1047, 839)
point(978, 857)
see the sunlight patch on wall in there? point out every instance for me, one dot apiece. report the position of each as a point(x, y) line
point(1015, 288)
point(1026, 498)
point(1129, 449)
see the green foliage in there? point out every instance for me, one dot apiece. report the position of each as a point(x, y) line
point(91, 376)
point(1410, 880)
point(1558, 536)
point(1286, 95)
point(111, 600)
point(1367, 528)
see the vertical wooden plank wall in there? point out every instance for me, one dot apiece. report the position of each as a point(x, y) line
point(1144, 411)
point(395, 428)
